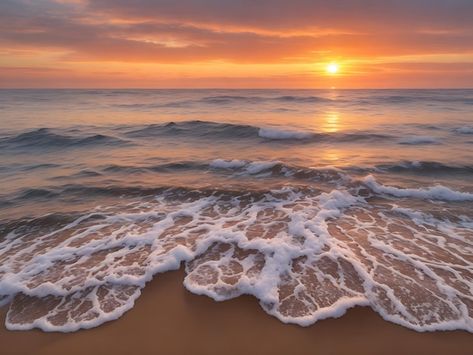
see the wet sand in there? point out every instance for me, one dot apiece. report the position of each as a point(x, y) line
point(167, 319)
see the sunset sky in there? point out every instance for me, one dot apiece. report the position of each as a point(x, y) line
point(236, 43)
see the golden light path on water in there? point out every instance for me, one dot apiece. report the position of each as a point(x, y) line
point(331, 122)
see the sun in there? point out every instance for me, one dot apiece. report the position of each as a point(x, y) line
point(332, 68)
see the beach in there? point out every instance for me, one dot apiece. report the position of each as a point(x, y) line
point(344, 213)
point(167, 319)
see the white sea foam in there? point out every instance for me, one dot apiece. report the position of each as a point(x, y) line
point(438, 192)
point(274, 133)
point(305, 254)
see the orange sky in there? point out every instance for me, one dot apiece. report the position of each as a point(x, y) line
point(236, 43)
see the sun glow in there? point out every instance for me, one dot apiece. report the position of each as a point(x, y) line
point(332, 68)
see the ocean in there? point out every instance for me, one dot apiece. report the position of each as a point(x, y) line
point(312, 201)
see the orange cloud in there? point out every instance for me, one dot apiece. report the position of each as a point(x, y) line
point(235, 43)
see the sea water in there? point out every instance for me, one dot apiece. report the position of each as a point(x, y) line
point(312, 201)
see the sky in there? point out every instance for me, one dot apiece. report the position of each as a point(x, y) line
point(236, 43)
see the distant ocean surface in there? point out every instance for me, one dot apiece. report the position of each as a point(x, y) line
point(313, 201)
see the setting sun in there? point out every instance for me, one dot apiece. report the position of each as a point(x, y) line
point(332, 68)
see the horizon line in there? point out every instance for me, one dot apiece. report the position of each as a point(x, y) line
point(233, 88)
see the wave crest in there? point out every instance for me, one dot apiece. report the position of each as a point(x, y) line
point(46, 138)
point(438, 192)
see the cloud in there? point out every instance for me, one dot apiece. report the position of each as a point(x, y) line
point(243, 32)
point(281, 14)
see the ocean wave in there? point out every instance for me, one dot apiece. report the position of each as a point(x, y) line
point(197, 129)
point(302, 99)
point(27, 167)
point(91, 192)
point(280, 173)
point(46, 138)
point(464, 130)
point(224, 100)
point(40, 166)
point(110, 176)
point(437, 192)
point(84, 173)
point(233, 168)
point(228, 164)
point(425, 167)
point(228, 99)
point(230, 131)
point(217, 164)
point(276, 168)
point(81, 191)
point(164, 167)
point(417, 140)
point(415, 96)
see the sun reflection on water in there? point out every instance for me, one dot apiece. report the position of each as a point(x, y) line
point(331, 122)
point(330, 156)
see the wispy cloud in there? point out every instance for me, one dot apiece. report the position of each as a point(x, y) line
point(285, 36)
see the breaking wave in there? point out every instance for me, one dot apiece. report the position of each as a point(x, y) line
point(438, 192)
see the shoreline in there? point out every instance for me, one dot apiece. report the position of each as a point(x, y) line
point(168, 319)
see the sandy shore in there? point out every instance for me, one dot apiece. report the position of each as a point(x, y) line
point(167, 319)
